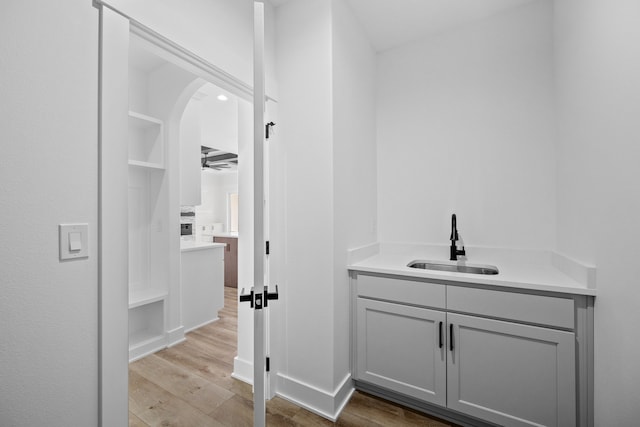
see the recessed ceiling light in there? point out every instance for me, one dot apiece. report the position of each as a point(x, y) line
point(222, 97)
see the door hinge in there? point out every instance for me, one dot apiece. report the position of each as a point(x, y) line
point(268, 364)
point(266, 249)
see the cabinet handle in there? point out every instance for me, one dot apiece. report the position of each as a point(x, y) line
point(440, 334)
point(451, 336)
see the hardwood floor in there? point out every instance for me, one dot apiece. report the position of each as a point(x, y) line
point(190, 385)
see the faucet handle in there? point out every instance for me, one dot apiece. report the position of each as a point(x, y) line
point(461, 251)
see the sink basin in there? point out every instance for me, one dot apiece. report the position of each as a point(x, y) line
point(456, 268)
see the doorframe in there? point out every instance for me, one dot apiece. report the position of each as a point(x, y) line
point(115, 28)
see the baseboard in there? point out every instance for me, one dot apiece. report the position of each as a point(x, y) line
point(320, 402)
point(175, 336)
point(242, 370)
point(146, 348)
point(193, 328)
point(427, 408)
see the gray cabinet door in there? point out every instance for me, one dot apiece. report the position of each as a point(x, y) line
point(511, 374)
point(398, 347)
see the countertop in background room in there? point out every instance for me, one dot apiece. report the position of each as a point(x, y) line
point(227, 234)
point(192, 245)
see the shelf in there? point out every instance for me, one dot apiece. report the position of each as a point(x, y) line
point(146, 296)
point(146, 165)
point(142, 338)
point(144, 343)
point(142, 121)
point(146, 146)
point(146, 322)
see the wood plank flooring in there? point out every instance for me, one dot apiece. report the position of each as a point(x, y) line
point(190, 385)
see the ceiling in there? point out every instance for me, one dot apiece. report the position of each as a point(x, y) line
point(217, 160)
point(391, 23)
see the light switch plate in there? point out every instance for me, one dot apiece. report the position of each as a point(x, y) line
point(70, 246)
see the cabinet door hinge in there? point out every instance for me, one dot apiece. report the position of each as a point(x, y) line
point(266, 249)
point(268, 364)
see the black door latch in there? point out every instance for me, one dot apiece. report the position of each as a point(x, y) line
point(256, 299)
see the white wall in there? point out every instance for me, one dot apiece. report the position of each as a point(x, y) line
point(465, 126)
point(220, 123)
point(243, 363)
point(354, 162)
point(190, 161)
point(221, 31)
point(326, 128)
point(598, 63)
point(303, 38)
point(138, 90)
point(215, 190)
point(48, 308)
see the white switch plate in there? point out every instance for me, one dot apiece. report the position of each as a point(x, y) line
point(66, 231)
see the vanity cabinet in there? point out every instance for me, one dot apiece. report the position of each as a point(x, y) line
point(402, 348)
point(472, 354)
point(509, 373)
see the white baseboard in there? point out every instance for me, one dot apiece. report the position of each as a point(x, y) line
point(326, 404)
point(242, 370)
point(201, 325)
point(175, 336)
point(323, 403)
point(146, 348)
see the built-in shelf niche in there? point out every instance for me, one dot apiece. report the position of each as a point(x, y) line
point(146, 145)
point(146, 328)
point(148, 260)
point(140, 297)
point(148, 236)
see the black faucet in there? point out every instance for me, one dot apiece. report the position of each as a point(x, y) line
point(453, 250)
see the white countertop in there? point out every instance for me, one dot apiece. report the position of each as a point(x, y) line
point(192, 245)
point(233, 235)
point(523, 269)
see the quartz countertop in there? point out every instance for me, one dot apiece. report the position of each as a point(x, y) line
point(232, 235)
point(518, 268)
point(191, 245)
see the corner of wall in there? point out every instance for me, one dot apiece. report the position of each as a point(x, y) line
point(242, 370)
point(326, 404)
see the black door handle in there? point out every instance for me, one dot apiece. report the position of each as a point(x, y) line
point(451, 336)
point(440, 334)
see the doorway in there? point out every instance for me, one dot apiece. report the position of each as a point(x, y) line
point(153, 315)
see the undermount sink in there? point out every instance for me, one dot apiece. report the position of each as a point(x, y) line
point(455, 268)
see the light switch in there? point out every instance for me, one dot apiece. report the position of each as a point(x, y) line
point(73, 240)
